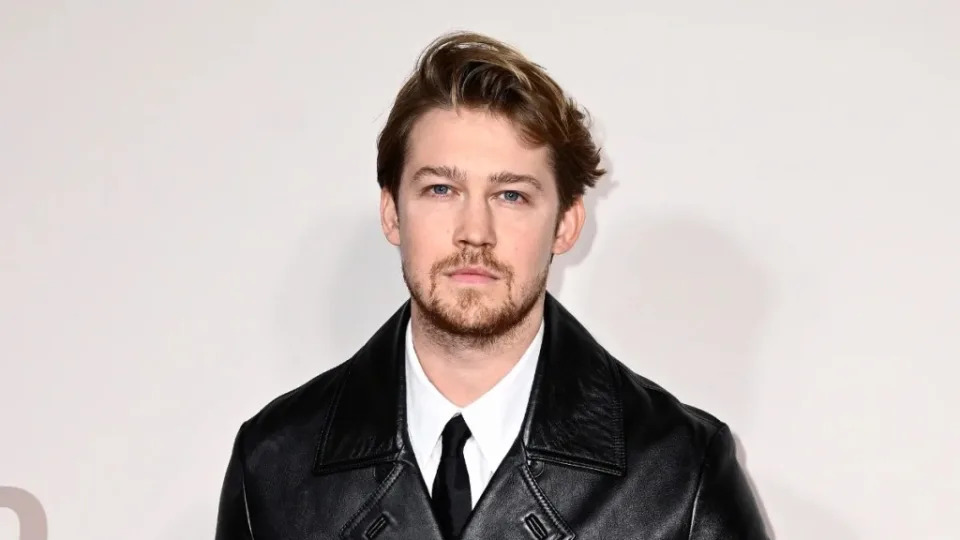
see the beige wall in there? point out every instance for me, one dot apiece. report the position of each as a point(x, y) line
point(188, 228)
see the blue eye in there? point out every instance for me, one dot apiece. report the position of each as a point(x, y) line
point(440, 189)
point(513, 196)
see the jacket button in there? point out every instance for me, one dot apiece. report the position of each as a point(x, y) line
point(536, 467)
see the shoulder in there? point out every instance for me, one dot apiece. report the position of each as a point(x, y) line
point(654, 417)
point(296, 417)
point(291, 426)
point(691, 455)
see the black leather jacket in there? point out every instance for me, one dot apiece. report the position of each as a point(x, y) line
point(603, 454)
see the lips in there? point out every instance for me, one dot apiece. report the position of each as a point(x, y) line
point(473, 271)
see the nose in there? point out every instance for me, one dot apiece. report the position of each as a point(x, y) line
point(475, 225)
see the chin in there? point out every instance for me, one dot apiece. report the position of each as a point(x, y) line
point(478, 314)
point(473, 302)
point(474, 326)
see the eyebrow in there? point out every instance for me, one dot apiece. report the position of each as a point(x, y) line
point(455, 174)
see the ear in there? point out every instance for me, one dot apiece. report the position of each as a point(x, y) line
point(389, 217)
point(569, 227)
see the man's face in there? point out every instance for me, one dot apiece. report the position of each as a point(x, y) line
point(476, 222)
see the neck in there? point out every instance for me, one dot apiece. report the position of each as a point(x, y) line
point(464, 368)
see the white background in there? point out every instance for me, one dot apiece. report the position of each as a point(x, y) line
point(188, 228)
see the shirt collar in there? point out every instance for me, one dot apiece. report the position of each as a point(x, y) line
point(494, 418)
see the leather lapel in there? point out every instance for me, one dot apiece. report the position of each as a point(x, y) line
point(575, 414)
point(513, 506)
point(398, 510)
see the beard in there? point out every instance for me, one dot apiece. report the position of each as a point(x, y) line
point(467, 316)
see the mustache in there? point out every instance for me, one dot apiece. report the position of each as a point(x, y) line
point(484, 258)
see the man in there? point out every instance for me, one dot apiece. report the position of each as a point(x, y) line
point(482, 408)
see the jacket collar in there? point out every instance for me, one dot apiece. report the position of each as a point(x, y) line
point(573, 417)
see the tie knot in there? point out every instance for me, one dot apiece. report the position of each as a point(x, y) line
point(455, 435)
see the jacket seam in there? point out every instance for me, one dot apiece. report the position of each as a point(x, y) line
point(620, 442)
point(372, 501)
point(579, 462)
point(545, 503)
point(705, 417)
point(703, 466)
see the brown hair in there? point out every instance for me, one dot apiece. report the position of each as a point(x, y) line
point(476, 71)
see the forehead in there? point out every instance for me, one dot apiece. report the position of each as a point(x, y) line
point(477, 142)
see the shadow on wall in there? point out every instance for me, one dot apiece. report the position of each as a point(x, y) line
point(693, 302)
point(802, 517)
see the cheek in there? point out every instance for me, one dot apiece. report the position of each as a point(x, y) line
point(422, 244)
point(530, 250)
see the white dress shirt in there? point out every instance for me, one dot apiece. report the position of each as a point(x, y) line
point(494, 418)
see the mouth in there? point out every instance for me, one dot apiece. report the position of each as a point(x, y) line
point(472, 274)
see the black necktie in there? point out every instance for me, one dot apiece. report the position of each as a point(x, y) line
point(451, 487)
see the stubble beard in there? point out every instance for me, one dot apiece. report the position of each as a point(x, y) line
point(466, 319)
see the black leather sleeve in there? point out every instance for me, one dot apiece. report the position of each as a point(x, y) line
point(233, 517)
point(724, 508)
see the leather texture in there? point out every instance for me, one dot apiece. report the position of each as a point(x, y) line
point(603, 453)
